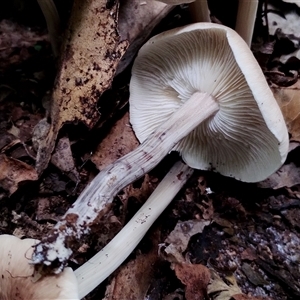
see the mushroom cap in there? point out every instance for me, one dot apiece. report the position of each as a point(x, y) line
point(17, 281)
point(247, 138)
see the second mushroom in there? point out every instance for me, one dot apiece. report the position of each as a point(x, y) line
point(197, 90)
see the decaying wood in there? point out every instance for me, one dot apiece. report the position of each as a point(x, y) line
point(91, 53)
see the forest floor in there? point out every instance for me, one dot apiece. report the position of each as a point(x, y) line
point(246, 234)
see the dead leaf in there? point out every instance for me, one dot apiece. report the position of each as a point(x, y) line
point(219, 290)
point(7, 141)
point(287, 176)
point(91, 53)
point(142, 193)
point(179, 238)
point(196, 278)
point(254, 276)
point(136, 22)
point(13, 172)
point(289, 102)
point(248, 254)
point(62, 158)
point(133, 279)
point(207, 209)
point(120, 141)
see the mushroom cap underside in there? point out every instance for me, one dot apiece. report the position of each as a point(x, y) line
point(17, 275)
point(247, 138)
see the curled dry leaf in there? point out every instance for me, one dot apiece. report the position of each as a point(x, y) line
point(13, 172)
point(219, 290)
point(195, 277)
point(91, 53)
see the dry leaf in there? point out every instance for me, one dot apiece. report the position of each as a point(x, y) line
point(13, 172)
point(91, 53)
point(289, 102)
point(287, 176)
point(62, 158)
point(179, 238)
point(136, 22)
point(253, 275)
point(133, 279)
point(120, 141)
point(195, 277)
point(219, 290)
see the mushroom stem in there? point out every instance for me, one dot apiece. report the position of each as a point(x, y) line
point(100, 192)
point(245, 20)
point(106, 261)
point(199, 11)
point(53, 23)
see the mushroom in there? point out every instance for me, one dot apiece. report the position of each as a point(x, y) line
point(18, 276)
point(208, 100)
point(53, 23)
point(245, 20)
point(99, 267)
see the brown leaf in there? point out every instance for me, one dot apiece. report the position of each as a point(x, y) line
point(91, 53)
point(132, 280)
point(13, 172)
point(62, 158)
point(248, 254)
point(287, 176)
point(195, 277)
point(179, 238)
point(289, 102)
point(120, 141)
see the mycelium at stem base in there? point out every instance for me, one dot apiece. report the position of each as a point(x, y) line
point(57, 246)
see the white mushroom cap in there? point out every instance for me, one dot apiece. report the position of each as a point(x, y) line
point(247, 138)
point(17, 281)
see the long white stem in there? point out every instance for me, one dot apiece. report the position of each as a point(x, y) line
point(99, 267)
point(199, 11)
point(245, 20)
point(91, 204)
